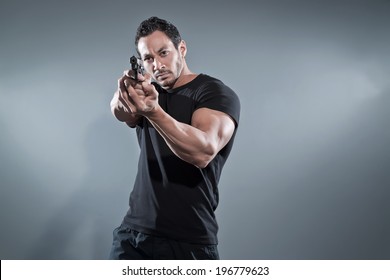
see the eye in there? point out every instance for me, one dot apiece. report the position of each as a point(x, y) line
point(148, 59)
point(164, 53)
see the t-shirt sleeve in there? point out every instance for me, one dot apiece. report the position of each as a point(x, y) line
point(217, 96)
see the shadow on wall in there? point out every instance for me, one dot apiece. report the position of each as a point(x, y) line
point(82, 227)
point(15, 184)
point(342, 210)
point(335, 208)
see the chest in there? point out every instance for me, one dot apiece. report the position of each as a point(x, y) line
point(178, 106)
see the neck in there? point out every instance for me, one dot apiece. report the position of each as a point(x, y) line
point(185, 77)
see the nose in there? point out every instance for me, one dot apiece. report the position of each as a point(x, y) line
point(157, 65)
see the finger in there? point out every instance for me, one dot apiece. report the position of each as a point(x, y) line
point(127, 83)
point(121, 85)
point(128, 78)
point(140, 77)
point(129, 73)
point(126, 103)
point(140, 92)
point(137, 99)
point(124, 95)
point(147, 78)
point(149, 89)
point(136, 85)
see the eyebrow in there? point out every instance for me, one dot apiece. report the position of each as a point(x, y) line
point(161, 49)
point(147, 55)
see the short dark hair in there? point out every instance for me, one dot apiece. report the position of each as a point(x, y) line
point(152, 24)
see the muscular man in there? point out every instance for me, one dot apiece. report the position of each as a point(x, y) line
point(185, 123)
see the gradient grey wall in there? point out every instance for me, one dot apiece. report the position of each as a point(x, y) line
point(308, 177)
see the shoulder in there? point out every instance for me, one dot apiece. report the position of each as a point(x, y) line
point(209, 84)
point(209, 80)
point(214, 94)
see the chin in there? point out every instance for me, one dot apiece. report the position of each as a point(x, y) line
point(166, 84)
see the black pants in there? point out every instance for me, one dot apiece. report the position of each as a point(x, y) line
point(129, 244)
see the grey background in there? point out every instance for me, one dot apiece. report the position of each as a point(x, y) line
point(309, 174)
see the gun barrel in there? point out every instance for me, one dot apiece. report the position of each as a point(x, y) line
point(134, 66)
point(133, 60)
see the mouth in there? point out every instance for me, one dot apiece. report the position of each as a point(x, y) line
point(161, 75)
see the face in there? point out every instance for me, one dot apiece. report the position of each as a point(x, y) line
point(161, 59)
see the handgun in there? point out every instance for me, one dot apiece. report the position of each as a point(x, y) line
point(136, 66)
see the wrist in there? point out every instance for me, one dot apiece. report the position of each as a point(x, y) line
point(157, 113)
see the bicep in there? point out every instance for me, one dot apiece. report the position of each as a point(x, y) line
point(217, 126)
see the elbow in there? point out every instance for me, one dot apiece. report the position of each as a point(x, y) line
point(117, 115)
point(202, 160)
point(201, 164)
point(120, 116)
point(115, 112)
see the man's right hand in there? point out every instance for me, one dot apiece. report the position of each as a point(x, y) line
point(120, 102)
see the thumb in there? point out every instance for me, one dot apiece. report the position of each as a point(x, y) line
point(148, 78)
point(149, 88)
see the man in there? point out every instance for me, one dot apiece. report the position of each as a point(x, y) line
point(185, 123)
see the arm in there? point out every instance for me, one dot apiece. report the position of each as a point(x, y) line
point(198, 143)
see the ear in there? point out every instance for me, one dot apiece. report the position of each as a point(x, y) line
point(183, 48)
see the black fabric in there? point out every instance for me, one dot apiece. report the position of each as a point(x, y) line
point(171, 197)
point(129, 244)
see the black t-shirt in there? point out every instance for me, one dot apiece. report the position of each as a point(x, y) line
point(171, 197)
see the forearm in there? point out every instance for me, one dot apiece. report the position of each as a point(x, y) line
point(187, 142)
